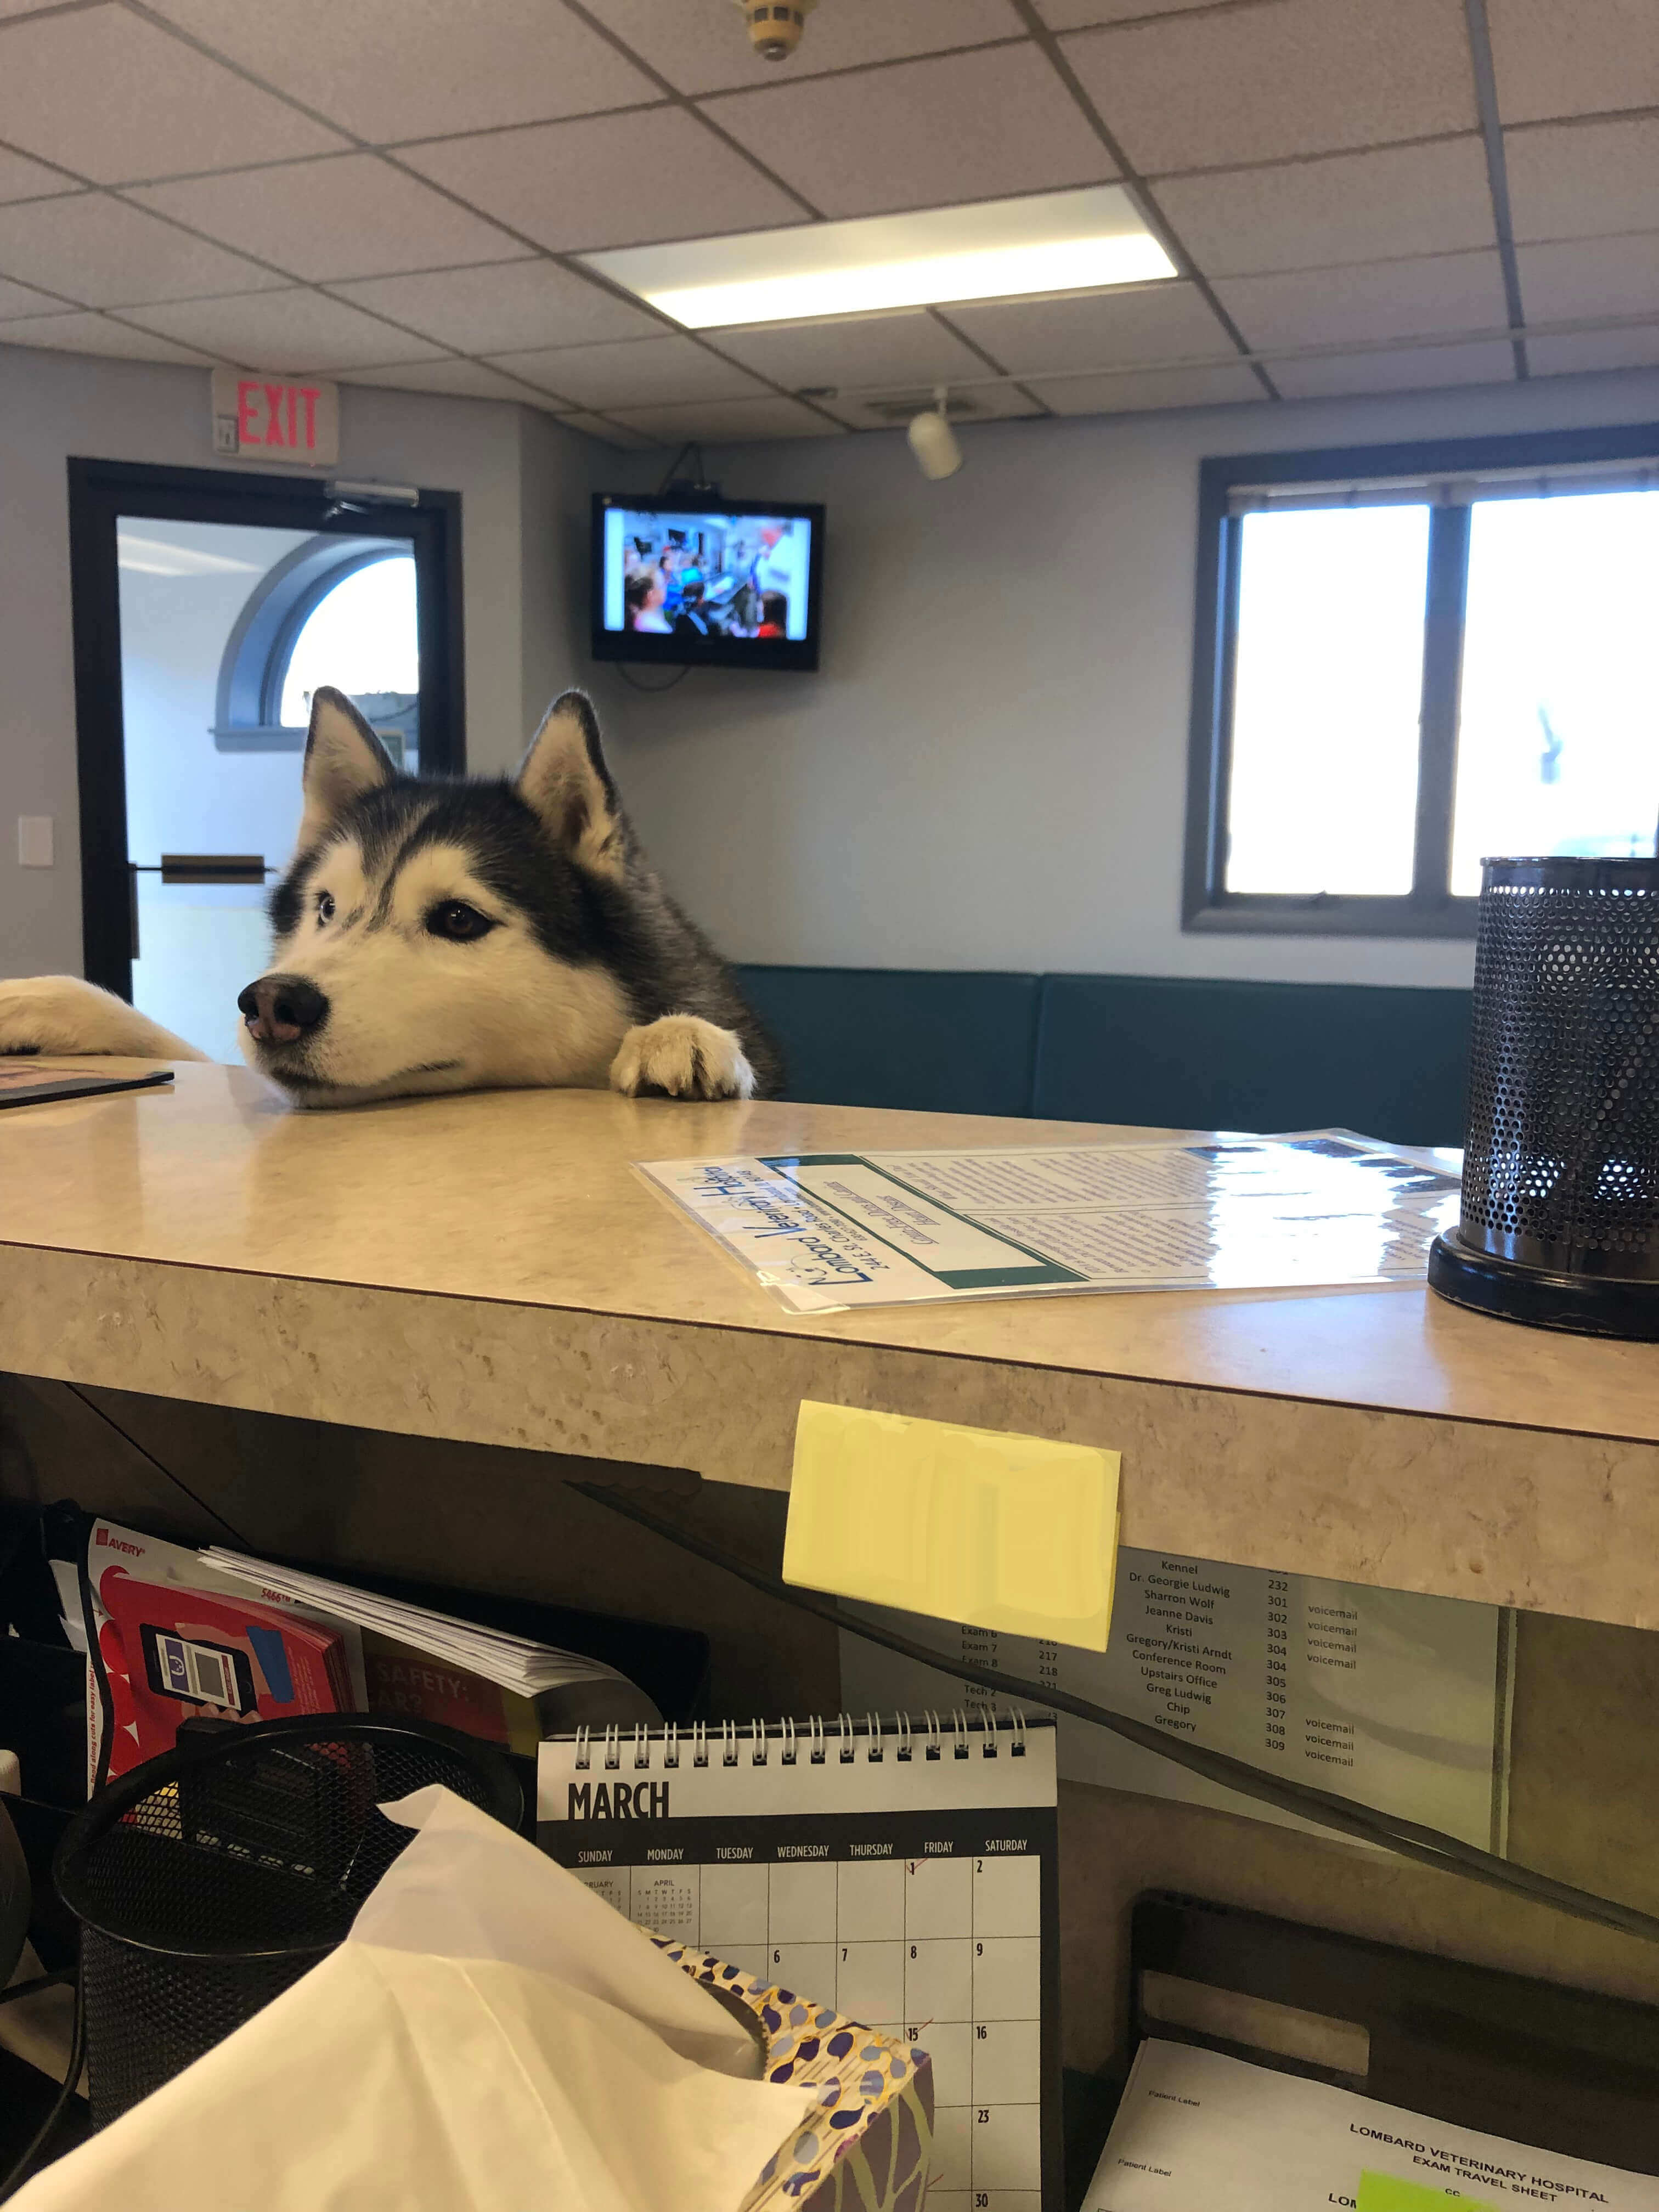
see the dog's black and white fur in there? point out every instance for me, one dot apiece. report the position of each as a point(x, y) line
point(451, 936)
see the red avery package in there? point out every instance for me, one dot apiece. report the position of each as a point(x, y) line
point(179, 1639)
point(177, 1653)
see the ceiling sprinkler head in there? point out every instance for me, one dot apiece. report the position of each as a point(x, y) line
point(776, 26)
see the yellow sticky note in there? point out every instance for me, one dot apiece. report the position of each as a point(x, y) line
point(1016, 1532)
point(1384, 2192)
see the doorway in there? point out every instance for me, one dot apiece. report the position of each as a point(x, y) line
point(208, 608)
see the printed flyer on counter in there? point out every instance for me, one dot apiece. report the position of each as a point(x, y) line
point(827, 1230)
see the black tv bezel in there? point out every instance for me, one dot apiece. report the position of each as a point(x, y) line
point(797, 654)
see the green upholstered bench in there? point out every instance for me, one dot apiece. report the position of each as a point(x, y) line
point(1158, 1051)
point(948, 1041)
point(1201, 1053)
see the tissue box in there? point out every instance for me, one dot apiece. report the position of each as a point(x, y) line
point(867, 2146)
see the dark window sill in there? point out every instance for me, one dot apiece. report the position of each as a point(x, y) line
point(1261, 915)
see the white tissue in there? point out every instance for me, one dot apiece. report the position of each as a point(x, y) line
point(491, 2036)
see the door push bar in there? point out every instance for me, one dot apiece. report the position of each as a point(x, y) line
point(192, 868)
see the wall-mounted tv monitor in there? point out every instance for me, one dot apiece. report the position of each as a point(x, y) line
point(710, 582)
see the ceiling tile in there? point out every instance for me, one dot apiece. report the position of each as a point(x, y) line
point(1577, 180)
point(855, 349)
point(1573, 57)
point(1293, 76)
point(296, 330)
point(462, 380)
point(1413, 368)
point(608, 180)
point(966, 127)
point(353, 216)
point(1346, 207)
point(410, 69)
point(1590, 276)
point(891, 410)
point(699, 46)
point(503, 308)
point(1374, 299)
point(96, 334)
point(635, 373)
point(1080, 15)
point(23, 179)
point(24, 300)
point(114, 97)
point(1146, 323)
point(733, 421)
point(1580, 351)
point(106, 254)
point(609, 434)
point(1224, 385)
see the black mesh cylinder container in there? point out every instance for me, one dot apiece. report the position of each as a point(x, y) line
point(208, 1880)
point(1559, 1220)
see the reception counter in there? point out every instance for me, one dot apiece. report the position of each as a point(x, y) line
point(489, 1269)
point(387, 1338)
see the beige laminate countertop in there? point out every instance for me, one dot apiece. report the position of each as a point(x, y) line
point(489, 1267)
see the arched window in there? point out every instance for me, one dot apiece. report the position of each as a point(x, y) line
point(338, 610)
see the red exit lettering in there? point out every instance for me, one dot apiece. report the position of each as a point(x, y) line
point(277, 415)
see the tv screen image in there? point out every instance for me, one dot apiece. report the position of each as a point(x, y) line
point(731, 583)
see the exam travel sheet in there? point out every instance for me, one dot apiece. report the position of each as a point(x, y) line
point(827, 1230)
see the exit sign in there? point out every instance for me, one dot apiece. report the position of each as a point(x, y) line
point(289, 418)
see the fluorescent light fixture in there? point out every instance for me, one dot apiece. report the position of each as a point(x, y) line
point(158, 556)
point(1077, 241)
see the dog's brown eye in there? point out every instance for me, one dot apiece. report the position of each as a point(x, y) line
point(325, 906)
point(458, 921)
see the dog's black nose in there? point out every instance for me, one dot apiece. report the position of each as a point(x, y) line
point(282, 1009)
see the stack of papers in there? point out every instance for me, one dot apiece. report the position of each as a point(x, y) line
point(514, 1663)
point(1199, 2129)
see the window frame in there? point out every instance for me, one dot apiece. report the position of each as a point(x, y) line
point(1429, 909)
point(254, 664)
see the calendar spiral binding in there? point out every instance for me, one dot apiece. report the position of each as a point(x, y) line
point(733, 1743)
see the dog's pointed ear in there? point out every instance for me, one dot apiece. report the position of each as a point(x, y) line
point(564, 779)
point(343, 759)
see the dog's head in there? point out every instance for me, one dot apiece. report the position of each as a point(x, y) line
point(434, 936)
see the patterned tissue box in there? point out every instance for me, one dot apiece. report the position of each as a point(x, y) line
point(867, 2146)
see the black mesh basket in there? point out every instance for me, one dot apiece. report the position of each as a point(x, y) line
point(1559, 1221)
point(208, 1880)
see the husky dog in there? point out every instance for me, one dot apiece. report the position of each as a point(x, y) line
point(439, 936)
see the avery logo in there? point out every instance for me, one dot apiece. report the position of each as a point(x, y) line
point(618, 1801)
point(133, 1551)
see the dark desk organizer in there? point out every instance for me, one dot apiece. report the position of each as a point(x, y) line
point(206, 1881)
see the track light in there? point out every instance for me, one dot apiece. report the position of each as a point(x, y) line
point(775, 31)
point(933, 442)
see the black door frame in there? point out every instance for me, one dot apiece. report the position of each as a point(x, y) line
point(101, 491)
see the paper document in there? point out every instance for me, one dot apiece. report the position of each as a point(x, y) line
point(827, 1230)
point(1399, 1700)
point(1197, 2129)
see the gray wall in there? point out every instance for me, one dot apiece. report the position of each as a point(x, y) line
point(53, 405)
point(990, 770)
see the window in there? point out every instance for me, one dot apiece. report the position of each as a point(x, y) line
point(1410, 657)
point(340, 611)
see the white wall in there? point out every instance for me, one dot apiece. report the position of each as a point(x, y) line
point(53, 405)
point(990, 769)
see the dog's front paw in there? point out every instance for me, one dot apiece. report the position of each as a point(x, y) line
point(62, 1015)
point(683, 1056)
